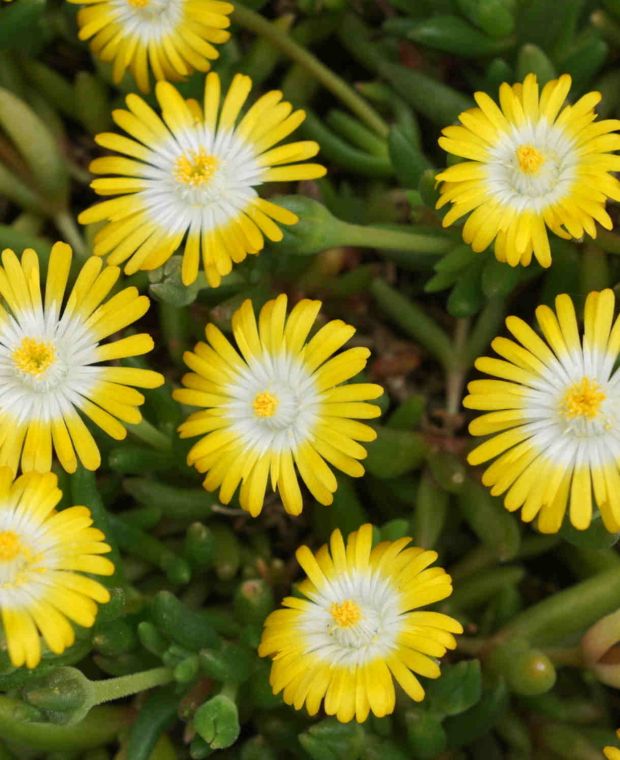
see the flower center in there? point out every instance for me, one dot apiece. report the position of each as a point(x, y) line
point(265, 404)
point(34, 357)
point(530, 159)
point(346, 614)
point(583, 400)
point(10, 545)
point(197, 168)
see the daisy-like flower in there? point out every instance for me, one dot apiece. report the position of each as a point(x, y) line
point(276, 404)
point(532, 165)
point(50, 360)
point(193, 176)
point(359, 626)
point(172, 38)
point(43, 555)
point(552, 414)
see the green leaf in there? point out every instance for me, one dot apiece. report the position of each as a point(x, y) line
point(37, 146)
point(595, 537)
point(19, 24)
point(479, 719)
point(458, 689)
point(331, 740)
point(487, 517)
point(394, 453)
point(425, 734)
point(407, 159)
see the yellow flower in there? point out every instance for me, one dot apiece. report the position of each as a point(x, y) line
point(552, 414)
point(192, 178)
point(50, 360)
point(172, 38)
point(43, 555)
point(532, 165)
point(358, 627)
point(611, 753)
point(276, 404)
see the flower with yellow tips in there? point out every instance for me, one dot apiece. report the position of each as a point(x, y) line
point(51, 360)
point(43, 557)
point(188, 178)
point(276, 404)
point(531, 165)
point(551, 414)
point(359, 627)
point(170, 38)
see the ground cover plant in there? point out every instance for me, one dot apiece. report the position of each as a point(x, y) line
point(309, 402)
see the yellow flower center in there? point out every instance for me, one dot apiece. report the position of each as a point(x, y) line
point(9, 545)
point(138, 3)
point(34, 357)
point(530, 159)
point(197, 168)
point(583, 400)
point(265, 404)
point(346, 614)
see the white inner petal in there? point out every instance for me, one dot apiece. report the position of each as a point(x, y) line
point(578, 440)
point(23, 577)
point(177, 206)
point(373, 636)
point(148, 22)
point(286, 378)
point(513, 187)
point(70, 377)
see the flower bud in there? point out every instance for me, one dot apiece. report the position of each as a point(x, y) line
point(64, 695)
point(253, 601)
point(600, 647)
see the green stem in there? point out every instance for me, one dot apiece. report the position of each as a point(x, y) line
point(124, 686)
point(99, 727)
point(486, 327)
point(414, 321)
point(395, 239)
point(254, 22)
point(455, 376)
point(68, 229)
point(568, 612)
point(148, 433)
point(608, 241)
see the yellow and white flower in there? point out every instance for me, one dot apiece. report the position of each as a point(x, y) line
point(50, 360)
point(192, 179)
point(531, 165)
point(171, 38)
point(552, 410)
point(43, 557)
point(276, 404)
point(359, 626)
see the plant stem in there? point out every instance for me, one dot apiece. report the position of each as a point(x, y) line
point(99, 727)
point(567, 612)
point(413, 320)
point(455, 376)
point(392, 239)
point(124, 686)
point(68, 229)
point(254, 22)
point(148, 433)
